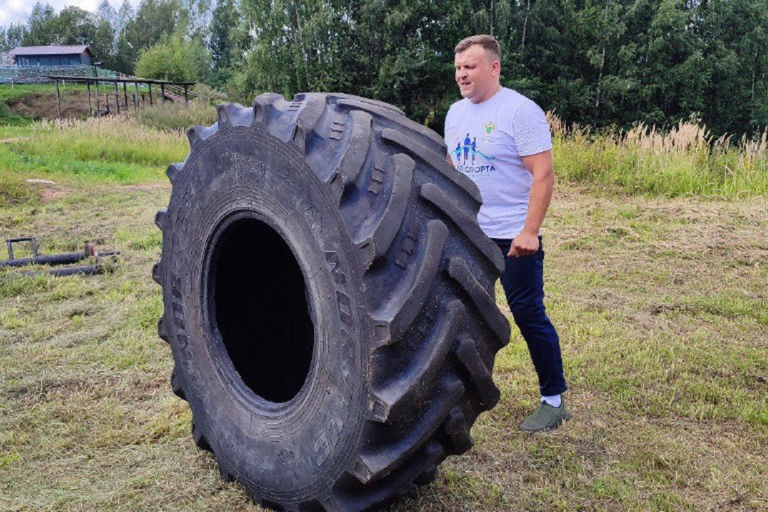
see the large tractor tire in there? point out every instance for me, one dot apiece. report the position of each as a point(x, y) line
point(329, 300)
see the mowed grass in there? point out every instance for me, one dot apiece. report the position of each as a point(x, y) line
point(661, 304)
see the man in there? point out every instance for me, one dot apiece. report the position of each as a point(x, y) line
point(515, 175)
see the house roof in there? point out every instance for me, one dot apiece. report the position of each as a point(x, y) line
point(50, 50)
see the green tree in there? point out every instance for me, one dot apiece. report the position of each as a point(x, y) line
point(230, 39)
point(41, 26)
point(416, 57)
point(736, 45)
point(125, 51)
point(175, 59)
point(223, 20)
point(672, 75)
point(73, 26)
point(195, 18)
point(287, 53)
point(152, 22)
point(12, 36)
point(103, 41)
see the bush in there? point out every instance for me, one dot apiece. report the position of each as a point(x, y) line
point(175, 59)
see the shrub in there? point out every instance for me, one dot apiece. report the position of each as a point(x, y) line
point(175, 59)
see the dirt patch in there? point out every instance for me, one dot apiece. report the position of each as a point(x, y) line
point(43, 106)
point(74, 104)
point(48, 195)
point(47, 190)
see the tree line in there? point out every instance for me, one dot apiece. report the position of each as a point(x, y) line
point(604, 63)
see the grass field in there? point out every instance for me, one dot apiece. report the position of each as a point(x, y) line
point(661, 303)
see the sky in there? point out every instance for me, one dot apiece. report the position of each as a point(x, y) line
point(13, 11)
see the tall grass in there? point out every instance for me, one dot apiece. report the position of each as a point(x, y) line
point(685, 160)
point(124, 149)
point(176, 116)
point(113, 149)
point(110, 139)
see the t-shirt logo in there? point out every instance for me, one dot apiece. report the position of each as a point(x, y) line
point(490, 127)
point(470, 153)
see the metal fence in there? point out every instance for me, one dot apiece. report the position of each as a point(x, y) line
point(36, 74)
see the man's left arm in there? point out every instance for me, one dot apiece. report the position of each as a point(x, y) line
point(540, 166)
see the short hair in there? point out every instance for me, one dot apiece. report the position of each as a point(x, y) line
point(489, 44)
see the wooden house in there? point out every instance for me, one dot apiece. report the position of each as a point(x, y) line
point(79, 55)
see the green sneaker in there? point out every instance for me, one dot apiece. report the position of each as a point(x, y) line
point(546, 417)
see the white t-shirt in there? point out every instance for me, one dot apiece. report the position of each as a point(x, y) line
point(485, 141)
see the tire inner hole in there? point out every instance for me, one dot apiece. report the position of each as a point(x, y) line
point(260, 309)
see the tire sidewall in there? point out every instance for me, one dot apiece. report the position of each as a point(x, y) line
point(294, 450)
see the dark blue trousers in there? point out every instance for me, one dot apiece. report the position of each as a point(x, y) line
point(523, 283)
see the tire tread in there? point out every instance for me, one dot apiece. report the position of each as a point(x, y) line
point(406, 208)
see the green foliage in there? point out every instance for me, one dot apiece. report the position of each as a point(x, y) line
point(230, 40)
point(223, 20)
point(74, 26)
point(174, 59)
point(102, 42)
point(152, 23)
point(42, 29)
point(599, 63)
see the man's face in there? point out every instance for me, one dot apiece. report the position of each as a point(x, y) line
point(477, 74)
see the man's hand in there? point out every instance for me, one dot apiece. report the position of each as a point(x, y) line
point(524, 244)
